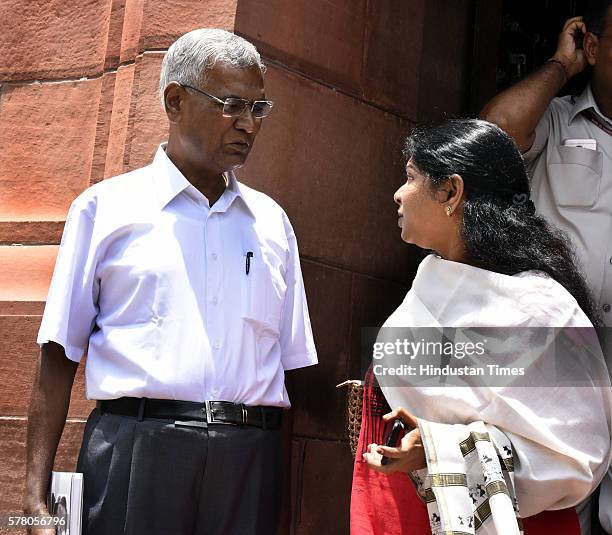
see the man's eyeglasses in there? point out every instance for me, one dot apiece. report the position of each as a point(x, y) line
point(234, 107)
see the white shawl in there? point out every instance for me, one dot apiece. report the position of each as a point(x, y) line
point(560, 436)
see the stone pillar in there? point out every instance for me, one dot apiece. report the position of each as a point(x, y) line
point(78, 103)
point(350, 78)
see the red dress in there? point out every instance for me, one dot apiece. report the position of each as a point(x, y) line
point(389, 505)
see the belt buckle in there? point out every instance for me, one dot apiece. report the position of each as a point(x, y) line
point(210, 415)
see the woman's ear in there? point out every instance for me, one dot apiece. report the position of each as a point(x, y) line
point(451, 193)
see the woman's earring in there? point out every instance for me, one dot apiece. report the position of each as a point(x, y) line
point(448, 211)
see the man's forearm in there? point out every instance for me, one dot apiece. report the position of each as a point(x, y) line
point(518, 110)
point(46, 418)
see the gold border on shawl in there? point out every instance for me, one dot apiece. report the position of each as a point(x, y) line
point(496, 487)
point(483, 511)
point(469, 444)
point(448, 480)
point(508, 463)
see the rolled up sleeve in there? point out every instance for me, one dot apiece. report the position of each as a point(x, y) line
point(542, 133)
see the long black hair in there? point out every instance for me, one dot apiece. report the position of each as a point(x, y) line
point(500, 229)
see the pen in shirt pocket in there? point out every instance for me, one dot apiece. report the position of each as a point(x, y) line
point(247, 267)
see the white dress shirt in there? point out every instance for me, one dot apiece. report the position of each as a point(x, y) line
point(152, 282)
point(572, 187)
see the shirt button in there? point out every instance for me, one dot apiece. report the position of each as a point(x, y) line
point(215, 300)
point(606, 307)
point(214, 256)
point(216, 345)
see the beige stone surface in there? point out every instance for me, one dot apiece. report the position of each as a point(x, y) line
point(13, 455)
point(18, 360)
point(52, 39)
point(324, 40)
point(30, 232)
point(407, 57)
point(163, 22)
point(115, 34)
point(333, 163)
point(103, 127)
point(320, 412)
point(148, 125)
point(324, 496)
point(25, 272)
point(132, 24)
point(47, 132)
point(118, 130)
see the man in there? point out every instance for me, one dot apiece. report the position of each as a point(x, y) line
point(572, 180)
point(184, 288)
point(567, 145)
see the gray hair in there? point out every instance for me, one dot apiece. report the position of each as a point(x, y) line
point(192, 55)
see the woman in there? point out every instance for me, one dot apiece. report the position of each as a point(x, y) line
point(486, 455)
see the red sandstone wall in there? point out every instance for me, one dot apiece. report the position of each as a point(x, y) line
point(350, 79)
point(78, 103)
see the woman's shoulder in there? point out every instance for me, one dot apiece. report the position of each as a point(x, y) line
point(548, 302)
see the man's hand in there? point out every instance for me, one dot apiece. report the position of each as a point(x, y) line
point(410, 454)
point(46, 417)
point(567, 52)
point(518, 109)
point(39, 510)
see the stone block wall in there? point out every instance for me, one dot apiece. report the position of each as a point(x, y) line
point(78, 103)
point(350, 78)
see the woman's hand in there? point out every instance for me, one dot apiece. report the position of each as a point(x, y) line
point(408, 456)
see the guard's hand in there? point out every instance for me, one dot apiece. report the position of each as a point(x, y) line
point(408, 456)
point(572, 57)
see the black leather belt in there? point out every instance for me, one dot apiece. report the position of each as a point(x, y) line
point(191, 413)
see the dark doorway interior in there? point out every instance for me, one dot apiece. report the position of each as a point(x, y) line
point(529, 33)
point(524, 33)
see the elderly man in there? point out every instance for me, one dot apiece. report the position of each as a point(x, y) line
point(184, 288)
point(567, 144)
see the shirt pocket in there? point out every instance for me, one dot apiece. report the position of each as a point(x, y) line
point(574, 175)
point(263, 294)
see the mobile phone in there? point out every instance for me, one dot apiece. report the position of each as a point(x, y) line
point(590, 144)
point(395, 434)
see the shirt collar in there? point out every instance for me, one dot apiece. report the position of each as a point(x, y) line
point(169, 182)
point(583, 102)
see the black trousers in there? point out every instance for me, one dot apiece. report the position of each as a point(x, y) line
point(152, 477)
